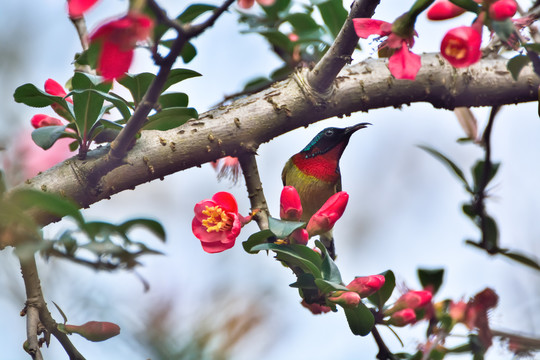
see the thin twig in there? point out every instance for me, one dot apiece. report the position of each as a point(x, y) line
point(339, 54)
point(248, 162)
point(384, 353)
point(80, 26)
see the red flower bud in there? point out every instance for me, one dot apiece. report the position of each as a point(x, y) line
point(502, 9)
point(77, 8)
point(95, 330)
point(41, 120)
point(443, 10)
point(290, 207)
point(413, 300)
point(348, 299)
point(366, 285)
point(315, 308)
point(300, 236)
point(403, 317)
point(461, 46)
point(325, 218)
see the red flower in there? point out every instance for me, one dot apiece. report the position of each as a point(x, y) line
point(217, 222)
point(77, 8)
point(325, 218)
point(290, 207)
point(443, 10)
point(502, 9)
point(300, 236)
point(54, 88)
point(118, 39)
point(403, 64)
point(229, 167)
point(403, 317)
point(413, 300)
point(366, 285)
point(41, 120)
point(246, 4)
point(95, 330)
point(461, 46)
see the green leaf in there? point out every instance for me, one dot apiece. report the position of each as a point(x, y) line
point(188, 52)
point(431, 277)
point(194, 11)
point(30, 95)
point(283, 228)
point(360, 319)
point(516, 64)
point(274, 12)
point(137, 84)
point(329, 269)
point(504, 29)
point(46, 136)
point(176, 99)
point(326, 286)
point(521, 258)
point(468, 210)
point(259, 237)
point(305, 281)
point(178, 75)
point(87, 105)
point(48, 202)
point(301, 255)
point(478, 173)
point(491, 237)
point(278, 39)
point(449, 163)
point(468, 5)
point(302, 23)
point(381, 297)
point(333, 14)
point(170, 118)
point(153, 226)
point(3, 186)
point(91, 55)
point(117, 101)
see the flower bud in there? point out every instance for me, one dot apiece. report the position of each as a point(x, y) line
point(458, 311)
point(315, 308)
point(366, 285)
point(290, 207)
point(502, 9)
point(41, 120)
point(325, 218)
point(461, 46)
point(348, 299)
point(413, 300)
point(300, 236)
point(403, 317)
point(443, 10)
point(95, 330)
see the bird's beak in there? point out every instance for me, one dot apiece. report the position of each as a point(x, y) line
point(351, 129)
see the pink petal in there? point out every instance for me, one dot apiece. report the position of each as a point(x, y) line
point(77, 8)
point(365, 27)
point(201, 206)
point(404, 64)
point(226, 201)
point(213, 248)
point(246, 4)
point(199, 230)
point(54, 88)
point(266, 2)
point(114, 62)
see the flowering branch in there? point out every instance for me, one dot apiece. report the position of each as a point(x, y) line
point(339, 54)
point(260, 117)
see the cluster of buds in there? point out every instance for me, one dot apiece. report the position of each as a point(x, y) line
point(461, 46)
point(406, 309)
point(361, 287)
point(321, 222)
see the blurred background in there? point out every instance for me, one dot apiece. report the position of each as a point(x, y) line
point(404, 212)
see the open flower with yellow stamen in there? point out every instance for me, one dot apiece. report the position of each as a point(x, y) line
point(217, 222)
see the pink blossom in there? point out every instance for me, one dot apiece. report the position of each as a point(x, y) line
point(246, 4)
point(227, 167)
point(95, 330)
point(403, 317)
point(290, 207)
point(366, 285)
point(502, 9)
point(349, 299)
point(325, 218)
point(461, 46)
point(403, 64)
point(40, 120)
point(77, 8)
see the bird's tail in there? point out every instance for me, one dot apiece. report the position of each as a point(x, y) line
point(328, 241)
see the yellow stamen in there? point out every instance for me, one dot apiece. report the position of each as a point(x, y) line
point(455, 49)
point(217, 220)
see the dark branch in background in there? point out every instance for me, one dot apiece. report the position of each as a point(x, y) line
point(122, 143)
point(324, 73)
point(255, 189)
point(384, 353)
point(39, 315)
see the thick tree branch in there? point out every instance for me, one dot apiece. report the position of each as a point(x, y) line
point(324, 73)
point(281, 108)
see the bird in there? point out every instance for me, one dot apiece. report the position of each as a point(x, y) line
point(315, 173)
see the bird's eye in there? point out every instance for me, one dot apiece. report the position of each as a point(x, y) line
point(329, 132)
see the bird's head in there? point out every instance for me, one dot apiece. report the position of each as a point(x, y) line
point(331, 138)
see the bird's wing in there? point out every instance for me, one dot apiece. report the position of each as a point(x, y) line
point(286, 168)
